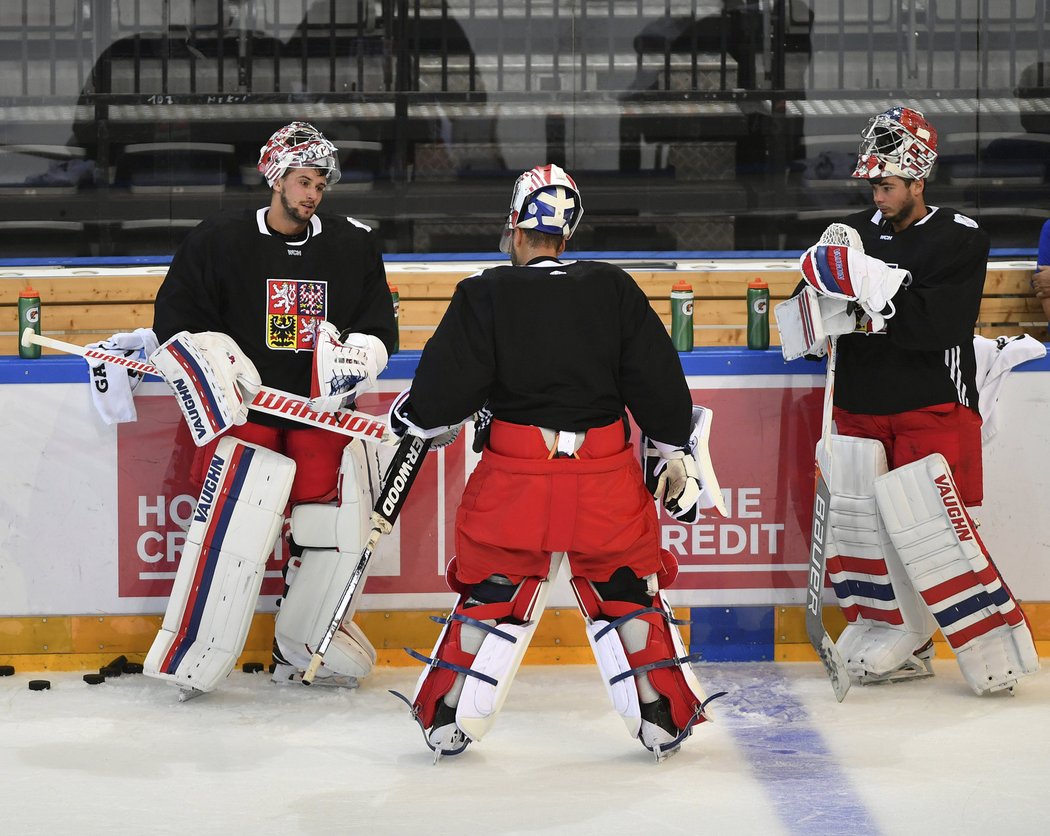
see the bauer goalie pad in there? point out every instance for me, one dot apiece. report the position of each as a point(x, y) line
point(948, 563)
point(705, 492)
point(237, 520)
point(332, 536)
point(886, 619)
point(807, 320)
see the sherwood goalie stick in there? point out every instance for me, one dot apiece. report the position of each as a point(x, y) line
point(404, 467)
point(271, 401)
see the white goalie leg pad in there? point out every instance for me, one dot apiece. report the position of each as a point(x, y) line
point(887, 620)
point(236, 522)
point(497, 662)
point(945, 558)
point(332, 536)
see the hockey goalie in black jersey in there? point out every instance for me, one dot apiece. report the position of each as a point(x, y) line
point(286, 297)
point(901, 299)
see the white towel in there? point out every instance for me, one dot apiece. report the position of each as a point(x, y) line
point(995, 359)
point(112, 387)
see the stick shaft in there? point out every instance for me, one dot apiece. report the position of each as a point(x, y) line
point(401, 473)
point(269, 401)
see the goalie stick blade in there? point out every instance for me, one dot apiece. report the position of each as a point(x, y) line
point(818, 560)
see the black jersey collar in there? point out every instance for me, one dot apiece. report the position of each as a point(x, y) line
point(313, 228)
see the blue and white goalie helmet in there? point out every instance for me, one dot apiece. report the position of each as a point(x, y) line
point(545, 199)
point(298, 145)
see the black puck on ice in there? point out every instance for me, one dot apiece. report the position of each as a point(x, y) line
point(7, 670)
point(107, 671)
point(39, 684)
point(252, 667)
point(94, 678)
point(133, 667)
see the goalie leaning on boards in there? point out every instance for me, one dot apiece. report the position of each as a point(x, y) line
point(286, 297)
point(907, 454)
point(559, 351)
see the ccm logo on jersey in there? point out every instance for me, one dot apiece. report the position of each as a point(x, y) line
point(953, 508)
point(400, 480)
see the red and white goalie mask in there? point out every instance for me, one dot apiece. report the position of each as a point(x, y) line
point(546, 199)
point(298, 145)
point(897, 143)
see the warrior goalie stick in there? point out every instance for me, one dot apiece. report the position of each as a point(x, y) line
point(404, 467)
point(271, 401)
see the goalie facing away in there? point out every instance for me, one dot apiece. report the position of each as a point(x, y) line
point(558, 351)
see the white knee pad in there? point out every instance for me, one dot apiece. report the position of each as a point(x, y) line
point(947, 561)
point(887, 620)
point(332, 536)
point(237, 520)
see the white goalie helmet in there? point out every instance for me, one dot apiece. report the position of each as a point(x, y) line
point(897, 143)
point(545, 199)
point(298, 145)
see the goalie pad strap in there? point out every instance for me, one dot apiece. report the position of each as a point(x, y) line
point(236, 522)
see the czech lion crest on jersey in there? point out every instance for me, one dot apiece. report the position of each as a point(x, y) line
point(293, 309)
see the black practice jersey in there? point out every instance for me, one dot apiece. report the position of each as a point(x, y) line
point(926, 356)
point(552, 344)
point(267, 291)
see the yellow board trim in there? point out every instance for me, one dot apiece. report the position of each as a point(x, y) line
point(81, 642)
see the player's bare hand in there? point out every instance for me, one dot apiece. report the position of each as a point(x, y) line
point(1041, 282)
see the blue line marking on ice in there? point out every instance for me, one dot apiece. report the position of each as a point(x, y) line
point(807, 786)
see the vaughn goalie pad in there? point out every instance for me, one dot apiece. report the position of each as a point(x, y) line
point(332, 536)
point(886, 619)
point(948, 564)
point(237, 520)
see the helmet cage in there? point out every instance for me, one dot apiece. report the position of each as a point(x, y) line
point(897, 143)
point(298, 145)
point(545, 199)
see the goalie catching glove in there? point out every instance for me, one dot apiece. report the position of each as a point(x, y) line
point(343, 368)
point(683, 478)
point(212, 379)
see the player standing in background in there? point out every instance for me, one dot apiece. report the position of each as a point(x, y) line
point(554, 353)
point(907, 453)
point(295, 300)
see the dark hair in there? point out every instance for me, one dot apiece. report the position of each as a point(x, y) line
point(542, 240)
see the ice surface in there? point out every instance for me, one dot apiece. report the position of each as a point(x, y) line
point(782, 756)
